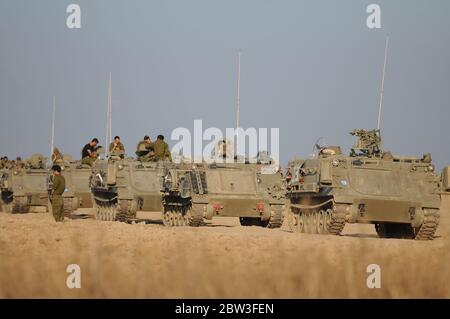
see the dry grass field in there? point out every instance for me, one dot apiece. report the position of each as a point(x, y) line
point(222, 259)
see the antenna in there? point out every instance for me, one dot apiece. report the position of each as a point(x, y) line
point(108, 114)
point(238, 100)
point(110, 108)
point(52, 146)
point(382, 82)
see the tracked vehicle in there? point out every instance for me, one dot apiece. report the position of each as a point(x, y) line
point(445, 179)
point(78, 192)
point(25, 186)
point(186, 194)
point(124, 186)
point(399, 195)
point(252, 192)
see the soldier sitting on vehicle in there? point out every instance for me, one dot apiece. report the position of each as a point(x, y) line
point(223, 150)
point(89, 153)
point(19, 163)
point(426, 158)
point(161, 150)
point(116, 148)
point(144, 149)
point(57, 157)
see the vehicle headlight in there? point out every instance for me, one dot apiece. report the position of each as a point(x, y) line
point(168, 180)
point(335, 162)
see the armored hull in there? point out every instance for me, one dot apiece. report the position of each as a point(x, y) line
point(23, 188)
point(400, 196)
point(124, 186)
point(252, 192)
point(186, 194)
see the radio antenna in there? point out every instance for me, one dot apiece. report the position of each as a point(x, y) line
point(52, 145)
point(109, 114)
point(382, 82)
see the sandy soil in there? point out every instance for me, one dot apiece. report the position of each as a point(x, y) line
point(222, 259)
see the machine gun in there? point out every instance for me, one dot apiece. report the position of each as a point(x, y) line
point(368, 143)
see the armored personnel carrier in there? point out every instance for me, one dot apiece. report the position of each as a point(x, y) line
point(77, 176)
point(24, 186)
point(445, 179)
point(253, 192)
point(399, 195)
point(187, 193)
point(123, 186)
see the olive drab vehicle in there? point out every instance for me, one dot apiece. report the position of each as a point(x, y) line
point(24, 186)
point(445, 179)
point(124, 186)
point(78, 192)
point(399, 195)
point(254, 192)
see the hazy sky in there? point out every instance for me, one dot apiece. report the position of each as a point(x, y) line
point(310, 68)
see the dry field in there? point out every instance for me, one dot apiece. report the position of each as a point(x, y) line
point(223, 259)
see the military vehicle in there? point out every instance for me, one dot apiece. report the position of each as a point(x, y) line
point(399, 195)
point(25, 186)
point(445, 179)
point(252, 192)
point(187, 193)
point(78, 192)
point(124, 186)
point(77, 176)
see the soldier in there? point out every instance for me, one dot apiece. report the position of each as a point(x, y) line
point(88, 154)
point(426, 158)
point(57, 157)
point(59, 185)
point(19, 163)
point(116, 148)
point(144, 149)
point(161, 149)
point(3, 162)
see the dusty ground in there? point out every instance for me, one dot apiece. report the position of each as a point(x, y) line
point(219, 260)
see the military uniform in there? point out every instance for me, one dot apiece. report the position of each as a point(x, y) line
point(87, 159)
point(57, 157)
point(59, 185)
point(161, 150)
point(144, 151)
point(19, 163)
point(118, 149)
